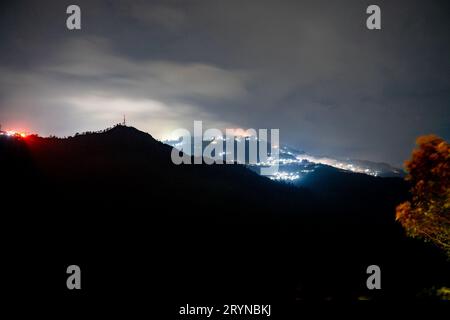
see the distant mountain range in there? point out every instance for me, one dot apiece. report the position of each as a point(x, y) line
point(295, 165)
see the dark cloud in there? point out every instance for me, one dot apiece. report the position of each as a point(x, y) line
point(310, 68)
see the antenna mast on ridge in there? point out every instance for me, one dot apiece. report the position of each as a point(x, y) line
point(124, 121)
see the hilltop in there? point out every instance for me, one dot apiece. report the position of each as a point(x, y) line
point(115, 203)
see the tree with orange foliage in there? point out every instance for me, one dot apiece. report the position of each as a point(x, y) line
point(427, 215)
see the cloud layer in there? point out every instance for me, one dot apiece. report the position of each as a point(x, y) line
point(309, 68)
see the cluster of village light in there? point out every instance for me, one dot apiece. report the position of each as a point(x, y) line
point(12, 133)
point(307, 163)
point(285, 176)
point(338, 164)
point(304, 159)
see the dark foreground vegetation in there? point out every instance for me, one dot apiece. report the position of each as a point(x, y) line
point(142, 228)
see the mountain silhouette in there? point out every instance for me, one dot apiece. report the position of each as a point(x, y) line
point(114, 203)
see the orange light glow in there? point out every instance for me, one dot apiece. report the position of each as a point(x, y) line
point(14, 133)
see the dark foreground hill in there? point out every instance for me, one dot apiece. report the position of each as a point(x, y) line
point(141, 227)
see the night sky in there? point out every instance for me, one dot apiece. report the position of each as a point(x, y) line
point(310, 68)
